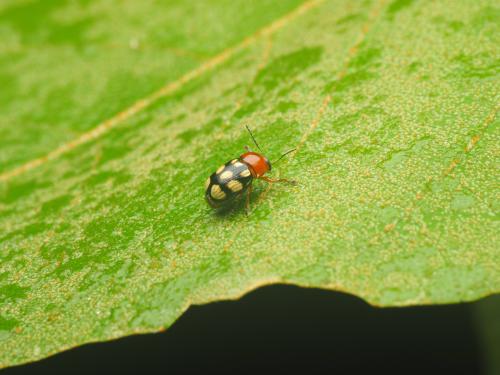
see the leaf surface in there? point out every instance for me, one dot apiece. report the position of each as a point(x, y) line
point(116, 115)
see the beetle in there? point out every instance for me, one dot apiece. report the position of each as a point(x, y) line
point(231, 180)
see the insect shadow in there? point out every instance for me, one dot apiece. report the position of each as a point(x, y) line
point(238, 207)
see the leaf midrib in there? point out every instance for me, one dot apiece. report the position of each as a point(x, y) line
point(143, 103)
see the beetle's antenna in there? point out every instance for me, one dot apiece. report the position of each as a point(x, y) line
point(253, 139)
point(282, 156)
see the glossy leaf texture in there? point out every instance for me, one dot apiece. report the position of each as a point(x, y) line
point(115, 113)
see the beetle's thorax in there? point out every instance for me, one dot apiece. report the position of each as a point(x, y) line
point(258, 164)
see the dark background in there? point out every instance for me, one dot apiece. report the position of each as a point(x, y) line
point(284, 329)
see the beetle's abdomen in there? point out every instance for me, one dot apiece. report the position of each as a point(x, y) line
point(227, 183)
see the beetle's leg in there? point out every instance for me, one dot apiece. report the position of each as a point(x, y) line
point(273, 180)
point(247, 205)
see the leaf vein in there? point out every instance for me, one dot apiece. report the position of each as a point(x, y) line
point(164, 91)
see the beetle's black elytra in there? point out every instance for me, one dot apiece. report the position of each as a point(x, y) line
point(227, 183)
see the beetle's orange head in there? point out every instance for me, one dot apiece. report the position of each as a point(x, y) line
point(259, 164)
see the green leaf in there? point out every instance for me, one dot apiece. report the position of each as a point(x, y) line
point(113, 116)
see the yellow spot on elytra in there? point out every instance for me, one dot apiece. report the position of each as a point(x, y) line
point(217, 192)
point(221, 168)
point(226, 175)
point(245, 173)
point(235, 186)
point(207, 183)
